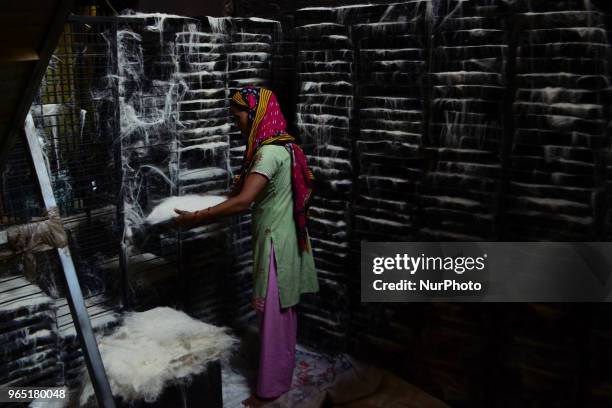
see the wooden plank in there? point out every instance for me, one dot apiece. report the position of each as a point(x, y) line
point(6, 108)
point(58, 16)
point(23, 19)
point(13, 79)
point(23, 35)
point(11, 87)
point(11, 70)
point(29, 7)
point(5, 118)
point(8, 55)
point(6, 111)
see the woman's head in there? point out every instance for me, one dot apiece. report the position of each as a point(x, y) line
point(240, 116)
point(256, 112)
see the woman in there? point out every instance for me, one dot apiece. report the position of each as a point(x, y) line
point(275, 177)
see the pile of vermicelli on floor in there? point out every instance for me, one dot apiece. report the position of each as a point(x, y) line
point(157, 348)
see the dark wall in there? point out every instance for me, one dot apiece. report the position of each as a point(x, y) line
point(189, 8)
point(213, 8)
point(486, 156)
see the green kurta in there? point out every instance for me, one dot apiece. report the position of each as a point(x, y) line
point(272, 221)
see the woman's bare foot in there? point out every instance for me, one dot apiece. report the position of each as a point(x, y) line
point(255, 401)
point(252, 401)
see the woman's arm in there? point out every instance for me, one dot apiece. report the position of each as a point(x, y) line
point(253, 185)
point(233, 191)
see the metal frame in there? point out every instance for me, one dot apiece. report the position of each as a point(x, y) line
point(78, 310)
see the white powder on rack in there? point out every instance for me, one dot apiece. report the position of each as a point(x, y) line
point(164, 211)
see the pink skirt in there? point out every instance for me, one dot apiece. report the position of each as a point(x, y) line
point(278, 331)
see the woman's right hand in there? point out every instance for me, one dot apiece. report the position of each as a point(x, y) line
point(186, 219)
